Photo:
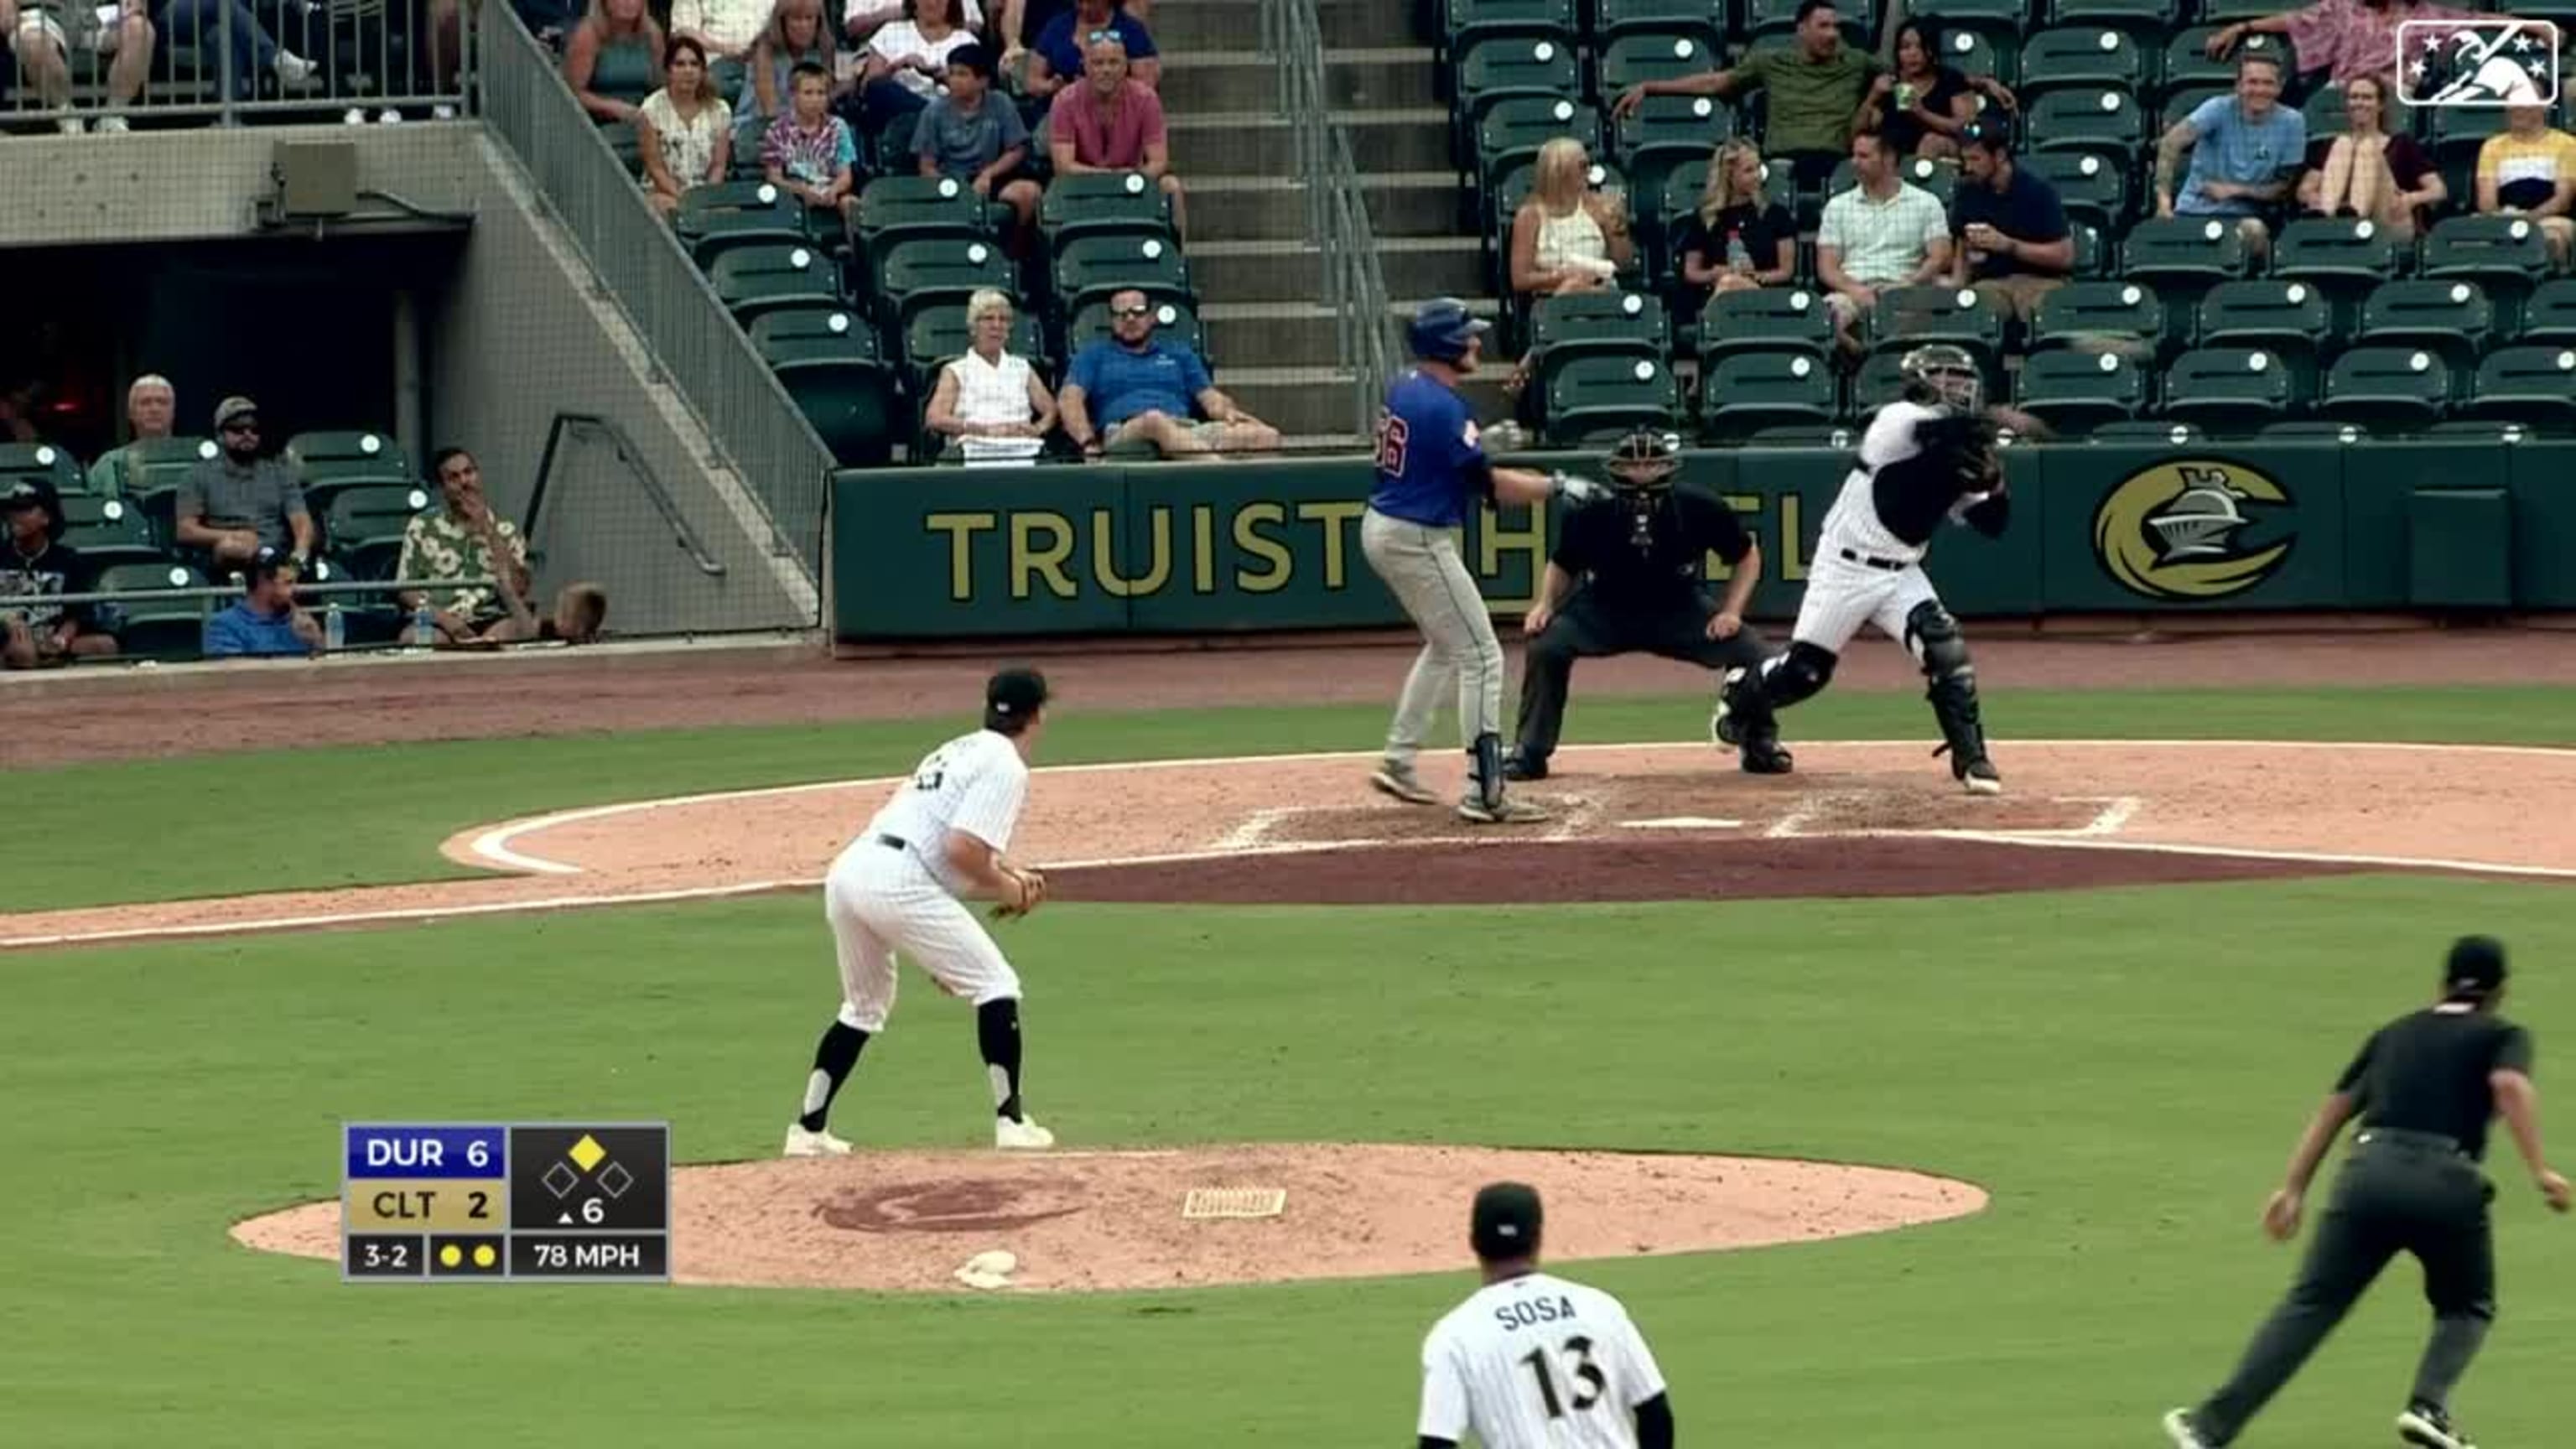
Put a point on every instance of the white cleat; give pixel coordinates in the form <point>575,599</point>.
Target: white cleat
<point>1400,782</point>
<point>1509,812</point>
<point>1024,1135</point>
<point>801,1143</point>
<point>1982,778</point>
<point>2183,1432</point>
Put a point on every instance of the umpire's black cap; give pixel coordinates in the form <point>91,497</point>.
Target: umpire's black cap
<point>1505,1222</point>
<point>1014,694</point>
<point>2476,967</point>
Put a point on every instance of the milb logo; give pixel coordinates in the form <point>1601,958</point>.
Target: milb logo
<point>2486,63</point>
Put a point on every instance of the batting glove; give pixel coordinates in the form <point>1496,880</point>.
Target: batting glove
<point>1577,490</point>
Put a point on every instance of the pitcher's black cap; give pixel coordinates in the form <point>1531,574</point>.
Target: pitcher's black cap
<point>1015,693</point>
<point>2476,966</point>
<point>1505,1222</point>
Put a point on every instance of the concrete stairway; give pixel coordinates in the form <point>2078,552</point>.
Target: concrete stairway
<point>1258,272</point>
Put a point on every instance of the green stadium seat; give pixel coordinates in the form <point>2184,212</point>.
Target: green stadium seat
<point>1940,178</point>
<point>2186,64</point>
<point>2486,430</point>
<point>2075,392</point>
<point>719,232</point>
<point>1512,132</point>
<point>1877,383</point>
<point>2219,11</point>
<point>2323,109</point>
<point>2451,318</point>
<point>938,334</point>
<point>1653,55</point>
<point>2092,254</point>
<point>365,525</point>
<point>829,363</point>
<point>895,209</point>
<point>2533,385</point>
<point>328,462</point>
<point>1619,17</point>
<point>2505,257</point>
<point>1778,18</point>
<point>156,628</point>
<point>1594,397</point>
<point>2154,432</point>
<point>1805,435</point>
<point>2178,102</point>
<point>1466,22</point>
<point>1982,51</point>
<point>2081,313</point>
<point>2091,187</point>
<point>937,271</point>
<point>2457,132</point>
<point>2183,251</point>
<point>42,462</point>
<point>1088,269</point>
<point>1745,393</point>
<point>2094,118</point>
<point>1777,320</point>
<point>2313,430</point>
<point>1908,317</point>
<point>2344,258</point>
<point>2157,18</point>
<point>2290,320</point>
<point>1668,132</point>
<point>2073,57</point>
<point>2399,388</point>
<point>1495,68</point>
<point>158,464</point>
<point>107,530</point>
<point>1128,204</point>
<point>1601,323</point>
<point>1176,321</point>
<point>756,279</point>
<point>2549,314</point>
<point>2229,389</point>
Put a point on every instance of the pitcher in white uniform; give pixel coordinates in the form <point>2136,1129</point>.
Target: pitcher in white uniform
<point>900,889</point>
<point>1531,1361</point>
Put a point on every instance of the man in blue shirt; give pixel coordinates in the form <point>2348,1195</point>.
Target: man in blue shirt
<point>1131,385</point>
<point>2246,151</point>
<point>265,622</point>
<point>1431,467</point>
<point>1055,60</point>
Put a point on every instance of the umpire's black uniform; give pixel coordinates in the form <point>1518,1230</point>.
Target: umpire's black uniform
<point>2422,1090</point>
<point>1638,561</point>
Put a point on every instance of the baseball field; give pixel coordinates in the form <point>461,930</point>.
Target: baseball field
<point>1897,1117</point>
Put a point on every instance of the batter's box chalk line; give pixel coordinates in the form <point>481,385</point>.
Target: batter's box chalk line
<point>1234,1202</point>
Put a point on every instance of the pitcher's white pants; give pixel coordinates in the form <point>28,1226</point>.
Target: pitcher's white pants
<point>883,902</point>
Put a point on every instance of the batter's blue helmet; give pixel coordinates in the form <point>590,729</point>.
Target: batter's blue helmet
<point>1442,328</point>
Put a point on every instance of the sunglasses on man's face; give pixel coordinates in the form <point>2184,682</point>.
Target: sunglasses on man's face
<point>1132,312</point>
<point>242,425</point>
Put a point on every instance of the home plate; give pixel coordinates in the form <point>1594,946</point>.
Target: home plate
<point>1683,822</point>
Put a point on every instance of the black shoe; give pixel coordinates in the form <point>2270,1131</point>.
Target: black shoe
<point>1724,729</point>
<point>2430,1427</point>
<point>1517,766</point>
<point>1766,757</point>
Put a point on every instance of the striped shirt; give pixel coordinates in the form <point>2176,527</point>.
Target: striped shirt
<point>992,392</point>
<point>1883,241</point>
<point>1536,1362</point>
<point>975,783</point>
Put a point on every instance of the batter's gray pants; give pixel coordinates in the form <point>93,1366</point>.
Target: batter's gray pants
<point>1422,569</point>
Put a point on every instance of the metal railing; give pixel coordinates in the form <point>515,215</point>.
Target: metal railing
<point>230,61</point>
<point>751,421</point>
<point>1337,219</point>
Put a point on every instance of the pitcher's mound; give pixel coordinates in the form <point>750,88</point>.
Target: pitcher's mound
<point>1095,1221</point>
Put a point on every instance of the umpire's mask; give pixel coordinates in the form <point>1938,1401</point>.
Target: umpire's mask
<point>1642,468</point>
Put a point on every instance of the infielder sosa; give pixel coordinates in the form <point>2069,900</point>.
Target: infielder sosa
<point>1531,1361</point>
<point>1430,466</point>
<point>1926,458</point>
<point>896,889</point>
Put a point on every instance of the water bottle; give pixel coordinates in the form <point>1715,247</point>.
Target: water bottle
<point>424,627</point>
<point>335,628</point>
<point>1739,257</point>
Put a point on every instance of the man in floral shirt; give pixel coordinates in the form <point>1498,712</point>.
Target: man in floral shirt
<point>463,541</point>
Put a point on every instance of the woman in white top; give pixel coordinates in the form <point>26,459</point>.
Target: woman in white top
<point>988,393</point>
<point>685,130</point>
<point>861,19</point>
<point>907,61</point>
<point>1566,237</point>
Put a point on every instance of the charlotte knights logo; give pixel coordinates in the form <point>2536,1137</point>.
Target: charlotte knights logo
<point>2173,531</point>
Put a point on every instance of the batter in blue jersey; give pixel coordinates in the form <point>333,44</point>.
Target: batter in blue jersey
<point>1431,468</point>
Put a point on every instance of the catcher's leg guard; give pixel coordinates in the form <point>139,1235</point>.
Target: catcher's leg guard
<point>1932,636</point>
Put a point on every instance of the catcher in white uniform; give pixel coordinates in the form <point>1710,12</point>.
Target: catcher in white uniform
<point>1531,1361</point>
<point>900,888</point>
<point>1927,458</point>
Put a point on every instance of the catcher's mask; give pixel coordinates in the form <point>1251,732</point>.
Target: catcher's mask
<point>1941,373</point>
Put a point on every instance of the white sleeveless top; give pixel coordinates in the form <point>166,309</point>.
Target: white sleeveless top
<point>990,392</point>
<point>1573,241</point>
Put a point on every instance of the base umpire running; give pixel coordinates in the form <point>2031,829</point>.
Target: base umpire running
<point>2424,1087</point>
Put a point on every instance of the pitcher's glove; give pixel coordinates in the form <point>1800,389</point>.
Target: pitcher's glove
<point>1033,889</point>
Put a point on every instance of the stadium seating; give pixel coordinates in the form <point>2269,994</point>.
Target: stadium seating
<point>2230,389</point>
<point>1908,317</point>
<point>2534,385</point>
<point>829,363</point>
<point>2450,318</point>
<point>42,462</point>
<point>1120,204</point>
<point>1089,269</point>
<point>1592,399</point>
<point>2085,311</point>
<point>2075,392</point>
<point>107,530</point>
<point>2389,388</point>
<point>1748,392</point>
<point>2081,57</point>
<point>2549,314</point>
<point>364,526</point>
<point>327,463</point>
<point>2091,188</point>
<point>2288,320</point>
<point>1790,321</point>
<point>149,627</point>
<point>715,219</point>
<point>755,279</point>
<point>935,271</point>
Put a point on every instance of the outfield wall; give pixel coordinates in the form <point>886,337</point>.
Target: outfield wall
<point>1257,546</point>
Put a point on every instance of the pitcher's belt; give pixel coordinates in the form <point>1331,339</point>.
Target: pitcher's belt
<point>1889,564</point>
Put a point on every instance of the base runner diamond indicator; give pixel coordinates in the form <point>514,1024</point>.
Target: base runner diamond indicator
<point>603,1179</point>
<point>616,1180</point>
<point>560,1179</point>
<point>586,1153</point>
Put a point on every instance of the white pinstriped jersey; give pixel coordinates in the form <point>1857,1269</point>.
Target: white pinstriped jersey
<point>1536,1362</point>
<point>975,783</point>
<point>1860,519</point>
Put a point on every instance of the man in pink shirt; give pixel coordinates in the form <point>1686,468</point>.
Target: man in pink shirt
<point>1110,123</point>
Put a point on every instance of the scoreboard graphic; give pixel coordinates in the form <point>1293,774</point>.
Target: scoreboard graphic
<point>438,1202</point>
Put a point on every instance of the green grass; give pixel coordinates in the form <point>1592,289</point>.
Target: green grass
<point>329,818</point>
<point>2123,1069</point>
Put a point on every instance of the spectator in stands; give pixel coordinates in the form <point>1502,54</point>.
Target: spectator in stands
<point>1132,384</point>
<point>2347,39</point>
<point>462,540</point>
<point>2245,153</point>
<point>2530,170</point>
<point>794,36</point>
<point>1882,233</point>
<point>1923,105</point>
<point>684,131</point>
<point>1063,50</point>
<point>978,137</point>
<point>35,561</point>
<point>2366,172</point>
<point>989,392</point>
<point>615,51</point>
<point>861,19</point>
<point>1816,88</point>
<point>2013,244</point>
<point>151,404</point>
<point>45,33</point>
<point>1111,123</point>
<point>265,620</point>
<point>579,611</point>
<point>1566,237</point>
<point>726,31</point>
<point>907,62</point>
<point>235,504</point>
<point>1735,241</point>
<point>810,153</point>
<point>199,25</point>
